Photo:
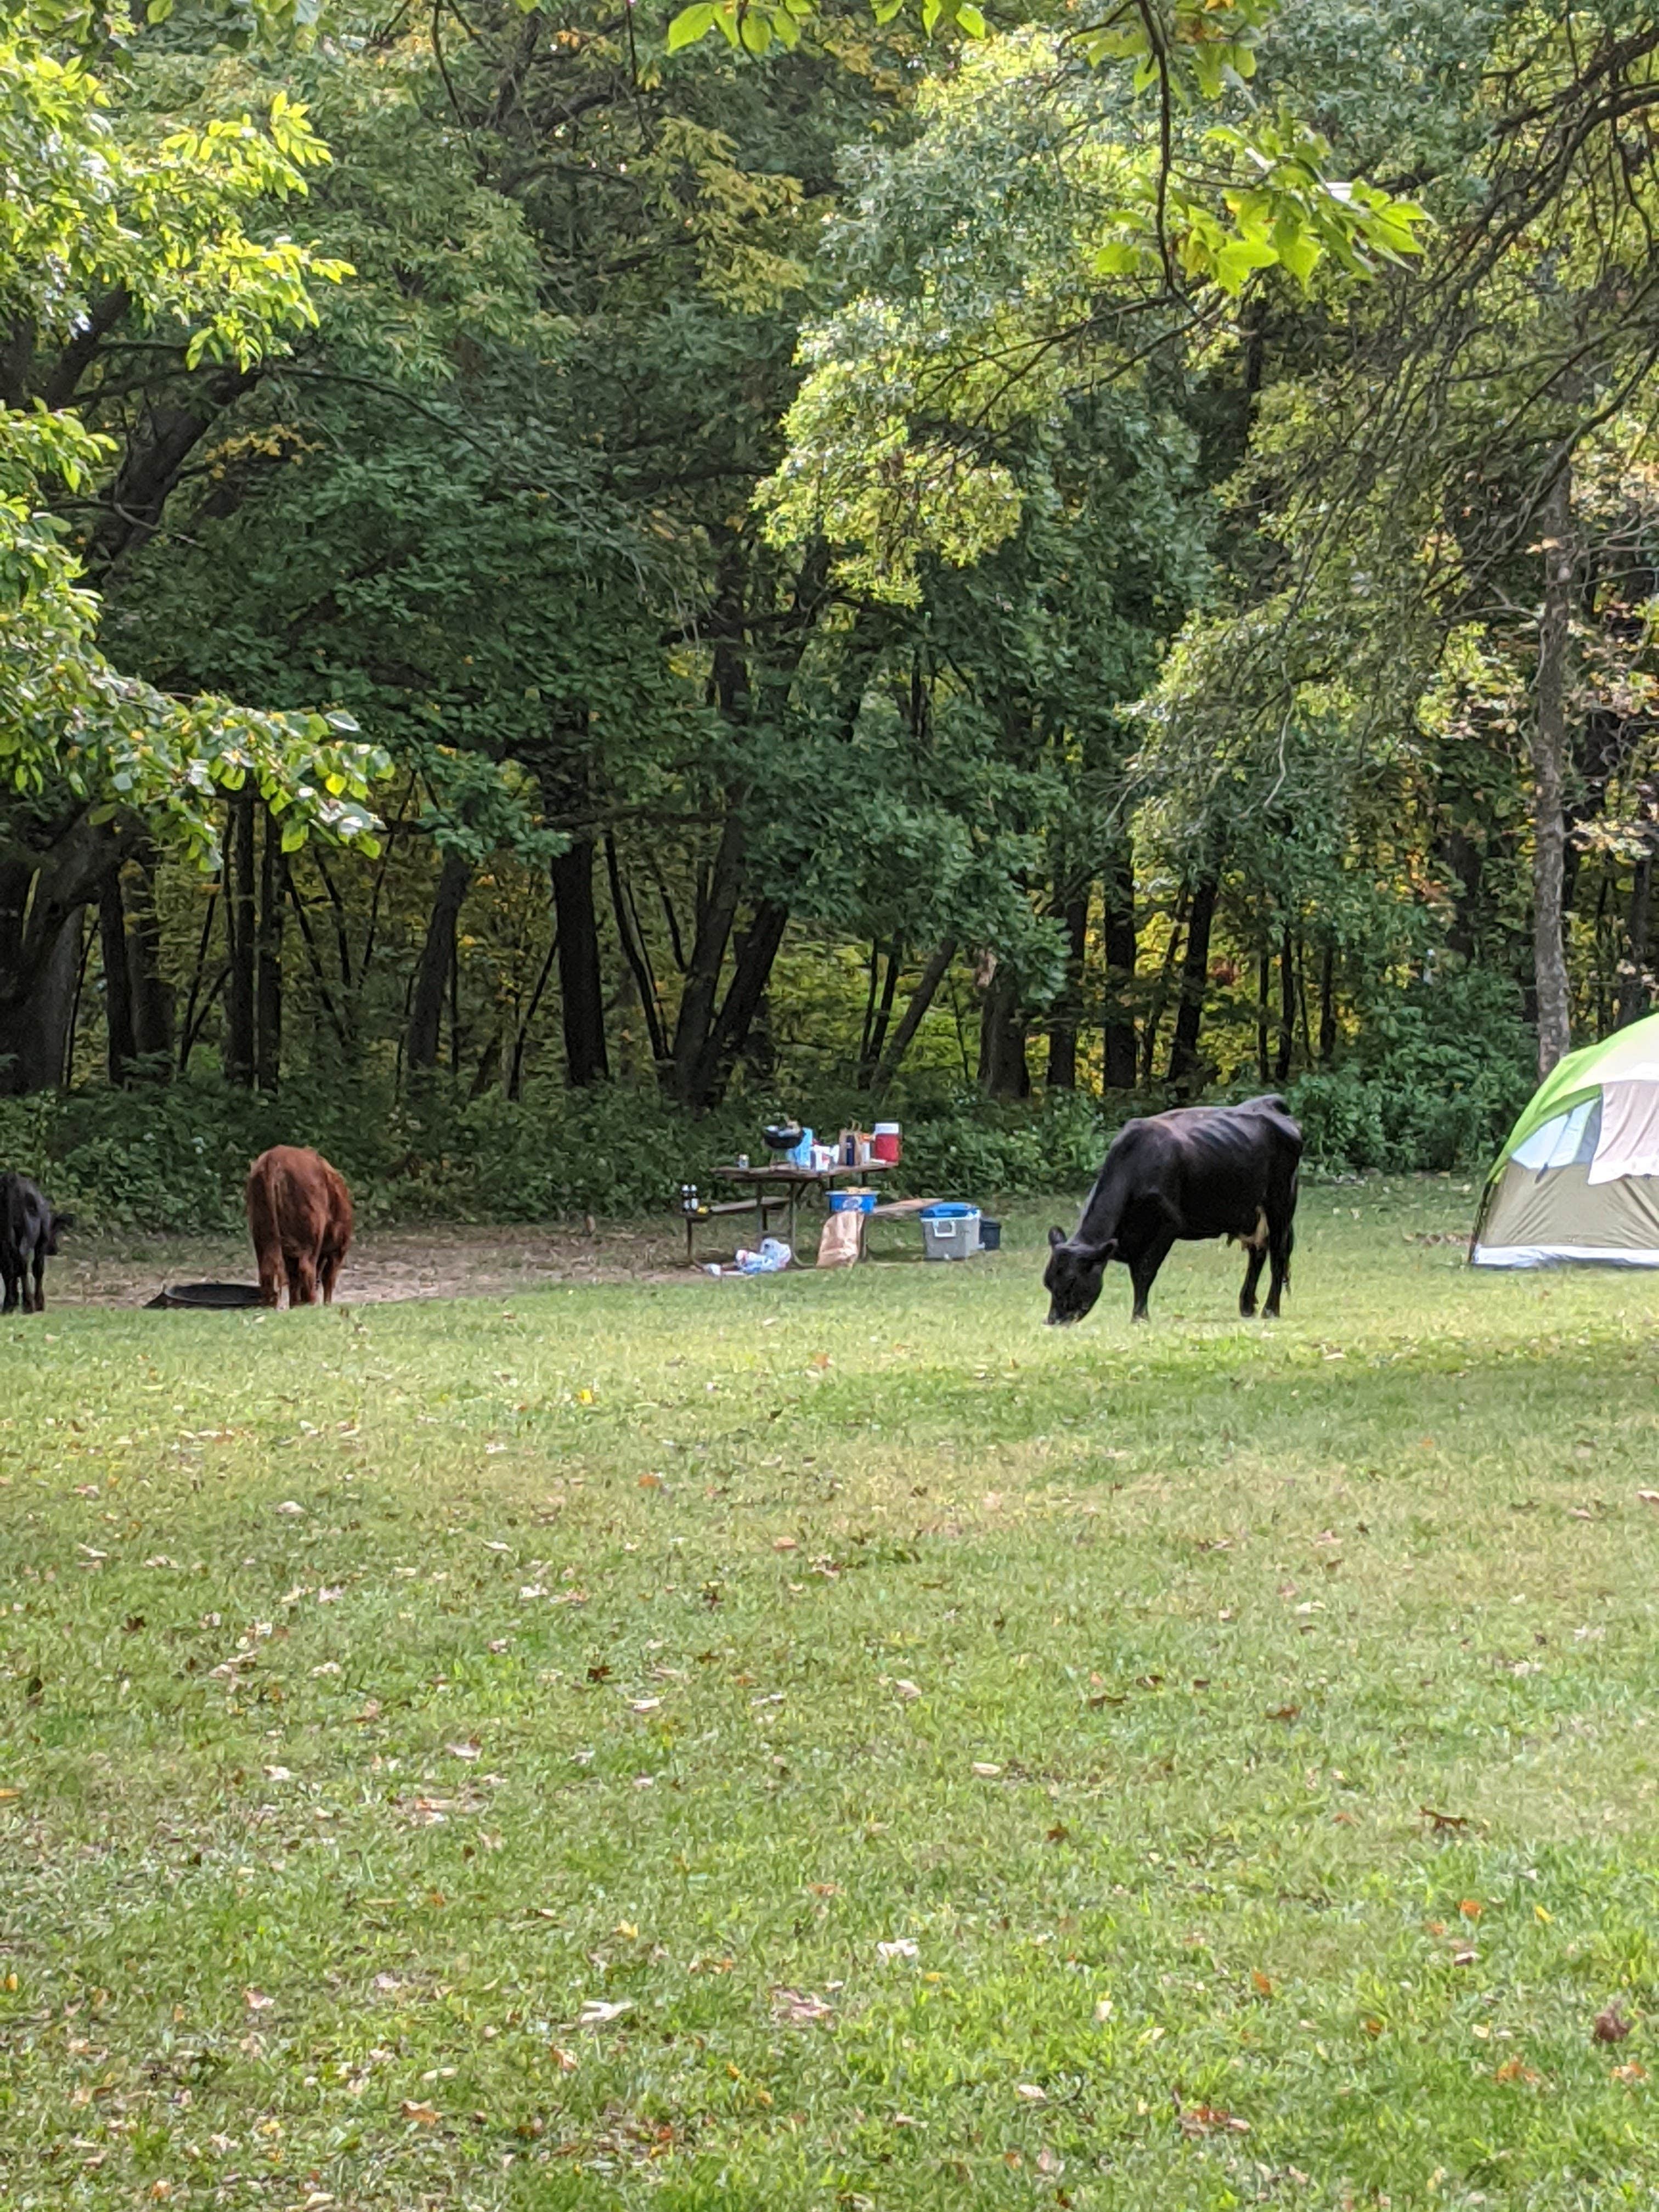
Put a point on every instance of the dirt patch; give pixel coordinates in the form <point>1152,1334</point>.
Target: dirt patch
<point>385,1264</point>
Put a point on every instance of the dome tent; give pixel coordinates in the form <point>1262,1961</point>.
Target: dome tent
<point>1578,1179</point>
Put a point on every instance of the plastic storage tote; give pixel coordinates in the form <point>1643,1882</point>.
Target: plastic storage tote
<point>949,1232</point>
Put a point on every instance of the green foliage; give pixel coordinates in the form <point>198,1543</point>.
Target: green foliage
<point>99,208</point>
<point>1442,1072</point>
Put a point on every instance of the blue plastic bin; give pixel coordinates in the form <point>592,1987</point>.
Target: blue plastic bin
<point>949,1230</point>
<point>853,1201</point>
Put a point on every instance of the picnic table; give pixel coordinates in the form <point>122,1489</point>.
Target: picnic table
<point>771,1190</point>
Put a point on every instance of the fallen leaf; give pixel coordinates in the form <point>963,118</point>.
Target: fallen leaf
<point>1444,1823</point>
<point>901,1947</point>
<point>1611,2025</point>
<point>288,1505</point>
<point>462,1750</point>
<point>1207,2119</point>
<point>594,2014</point>
<point>651,1482</point>
<point>1631,2072</point>
<point>646,1706</point>
<point>785,1544</point>
<point>277,1774</point>
<point>1465,1958</point>
<point>798,2007</point>
<point>1470,1908</point>
<point>907,1690</point>
<point>1047,2163</point>
<point>1261,1983</point>
<point>1282,1713</point>
<point>256,2001</point>
<point>566,2061</point>
<point>1516,2069</point>
<point>987,1770</point>
<point>425,2114</point>
<point>1029,2093</point>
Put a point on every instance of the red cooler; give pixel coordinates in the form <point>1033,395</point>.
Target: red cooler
<point>887,1143</point>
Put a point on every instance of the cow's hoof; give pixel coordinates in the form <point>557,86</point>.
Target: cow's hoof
<point>1270,1313</point>
<point>1247,1309</point>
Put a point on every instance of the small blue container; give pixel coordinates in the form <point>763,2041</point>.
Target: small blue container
<point>802,1155</point>
<point>853,1201</point>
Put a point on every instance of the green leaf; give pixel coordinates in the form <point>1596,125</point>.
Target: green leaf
<point>1297,249</point>
<point>690,24</point>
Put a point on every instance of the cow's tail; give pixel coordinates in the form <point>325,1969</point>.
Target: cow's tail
<point>267,1238</point>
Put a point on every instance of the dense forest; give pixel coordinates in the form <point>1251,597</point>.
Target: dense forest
<point>576,569</point>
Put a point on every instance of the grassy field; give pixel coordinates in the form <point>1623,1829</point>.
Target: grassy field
<point>834,1743</point>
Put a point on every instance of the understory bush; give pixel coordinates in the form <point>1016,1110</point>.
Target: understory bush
<point>1438,1079</point>
<point>1437,1083</point>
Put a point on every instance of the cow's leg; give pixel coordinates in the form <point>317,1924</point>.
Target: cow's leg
<point>40,1280</point>
<point>304,1277</point>
<point>12,1281</point>
<point>327,1268</point>
<point>1144,1266</point>
<point>1279,1242</point>
<point>1256,1251</point>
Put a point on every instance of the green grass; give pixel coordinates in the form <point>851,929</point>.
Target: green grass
<point>671,1648</point>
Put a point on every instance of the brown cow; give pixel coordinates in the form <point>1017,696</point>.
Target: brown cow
<point>299,1213</point>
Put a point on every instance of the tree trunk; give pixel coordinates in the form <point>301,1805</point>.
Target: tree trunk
<point>581,981</point>
<point>717,911</point>
<point>154,460</point>
<point>1063,1028</point>
<point>268,1047</point>
<point>240,920</point>
<point>120,1043</point>
<point>1633,991</point>
<point>1003,1072</point>
<point>1549,753</point>
<point>1161,989</point>
<point>425,1005</point>
<point>636,952</point>
<point>1328,1006</point>
<point>751,973</point>
<point>1264,984</point>
<point>1184,1068</point>
<point>1286,1007</point>
<point>152,995</point>
<point>1120,950</point>
<point>884,1017</point>
<point>939,963</point>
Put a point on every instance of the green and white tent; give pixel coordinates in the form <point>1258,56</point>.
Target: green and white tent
<point>1578,1179</point>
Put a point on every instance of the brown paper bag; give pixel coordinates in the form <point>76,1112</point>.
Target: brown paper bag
<point>838,1246</point>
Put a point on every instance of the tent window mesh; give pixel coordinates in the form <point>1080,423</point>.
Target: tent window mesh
<point>1570,1140</point>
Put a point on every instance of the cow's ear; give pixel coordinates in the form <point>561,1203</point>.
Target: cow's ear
<point>1056,1238</point>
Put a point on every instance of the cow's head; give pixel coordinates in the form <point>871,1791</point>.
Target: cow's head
<point>1073,1276</point>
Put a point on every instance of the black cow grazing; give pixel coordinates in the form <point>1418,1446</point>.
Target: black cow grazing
<point>28,1238</point>
<point>1195,1172</point>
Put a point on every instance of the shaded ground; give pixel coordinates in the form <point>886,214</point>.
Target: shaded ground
<point>433,1261</point>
